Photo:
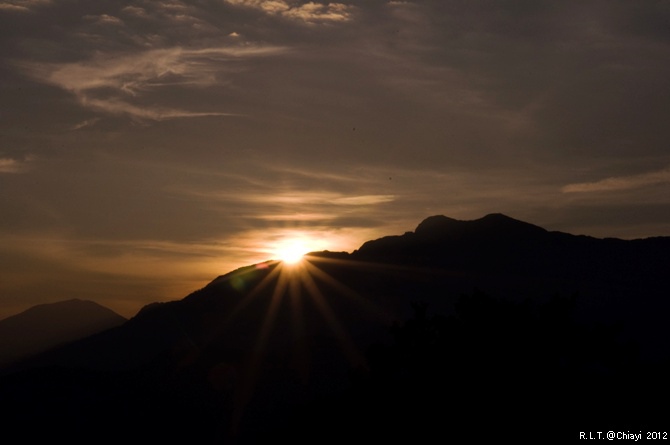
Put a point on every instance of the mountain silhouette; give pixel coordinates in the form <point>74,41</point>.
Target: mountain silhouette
<point>497,243</point>
<point>438,331</point>
<point>620,280</point>
<point>48,325</point>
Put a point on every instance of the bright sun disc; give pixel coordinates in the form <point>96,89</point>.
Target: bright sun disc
<point>291,252</point>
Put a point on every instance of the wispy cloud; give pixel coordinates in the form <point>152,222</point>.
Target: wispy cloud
<point>363,200</point>
<point>135,11</point>
<point>21,5</point>
<point>300,217</point>
<point>129,257</point>
<point>620,183</point>
<point>296,198</point>
<point>115,85</point>
<point>13,7</point>
<point>325,199</point>
<point>115,106</point>
<point>10,165</point>
<point>104,19</point>
<point>309,12</point>
<point>266,205</point>
<point>86,123</point>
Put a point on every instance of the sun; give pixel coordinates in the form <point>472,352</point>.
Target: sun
<point>290,246</point>
<point>291,251</point>
<point>292,254</point>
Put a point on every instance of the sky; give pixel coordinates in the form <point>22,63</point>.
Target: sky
<point>147,147</point>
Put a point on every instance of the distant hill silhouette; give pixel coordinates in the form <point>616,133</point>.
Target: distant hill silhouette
<point>439,331</point>
<point>47,325</point>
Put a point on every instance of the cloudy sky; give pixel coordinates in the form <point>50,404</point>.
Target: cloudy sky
<point>147,147</point>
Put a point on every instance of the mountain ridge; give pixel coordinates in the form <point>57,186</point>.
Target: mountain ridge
<point>261,343</point>
<point>442,228</point>
<point>479,252</point>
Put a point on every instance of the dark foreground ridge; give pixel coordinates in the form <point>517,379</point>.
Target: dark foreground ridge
<point>460,330</point>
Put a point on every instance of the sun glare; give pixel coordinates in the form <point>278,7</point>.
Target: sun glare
<point>291,251</point>
<point>292,254</point>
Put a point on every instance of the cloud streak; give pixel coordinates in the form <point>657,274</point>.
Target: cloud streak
<point>308,205</point>
<point>620,182</point>
<point>22,5</point>
<point>104,19</point>
<point>115,85</point>
<point>119,107</point>
<point>309,12</point>
<point>11,165</point>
